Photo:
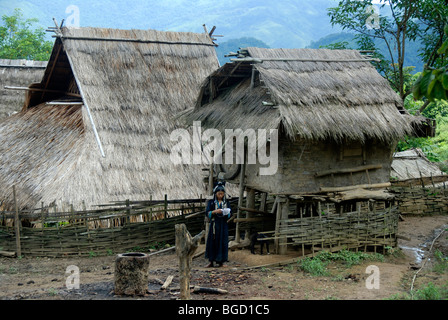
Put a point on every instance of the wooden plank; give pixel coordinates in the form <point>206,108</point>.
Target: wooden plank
<point>348,170</point>
<point>42,90</point>
<point>361,186</point>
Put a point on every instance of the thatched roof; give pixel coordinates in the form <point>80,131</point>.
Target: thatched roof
<point>131,84</point>
<point>311,93</point>
<point>17,73</point>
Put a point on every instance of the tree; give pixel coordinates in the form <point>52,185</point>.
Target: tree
<point>397,23</point>
<point>18,39</point>
<point>395,29</point>
<point>433,82</point>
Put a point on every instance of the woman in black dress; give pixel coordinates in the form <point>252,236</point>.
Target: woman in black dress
<point>218,212</point>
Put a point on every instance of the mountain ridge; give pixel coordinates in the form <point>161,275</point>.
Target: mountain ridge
<point>286,23</point>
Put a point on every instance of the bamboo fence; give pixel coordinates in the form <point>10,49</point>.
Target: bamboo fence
<point>113,228</point>
<point>421,200</point>
<point>351,230</point>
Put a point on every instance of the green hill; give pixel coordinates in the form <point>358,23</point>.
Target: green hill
<point>411,59</point>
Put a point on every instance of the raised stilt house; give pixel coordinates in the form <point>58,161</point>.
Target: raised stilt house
<point>338,123</point>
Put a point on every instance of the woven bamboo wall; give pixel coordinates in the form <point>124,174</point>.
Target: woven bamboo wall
<point>105,231</point>
<point>78,240</point>
<point>421,201</point>
<point>368,231</point>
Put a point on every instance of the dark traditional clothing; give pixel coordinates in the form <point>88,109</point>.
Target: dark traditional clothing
<point>218,236</point>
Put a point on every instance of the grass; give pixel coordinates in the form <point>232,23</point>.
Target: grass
<point>428,292</point>
<point>441,265</point>
<point>317,266</point>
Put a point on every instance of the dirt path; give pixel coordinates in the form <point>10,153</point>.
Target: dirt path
<point>44,278</point>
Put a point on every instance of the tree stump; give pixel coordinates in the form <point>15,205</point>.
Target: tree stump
<point>185,248</point>
<point>131,273</point>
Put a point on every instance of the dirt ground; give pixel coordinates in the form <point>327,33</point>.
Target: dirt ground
<point>45,278</point>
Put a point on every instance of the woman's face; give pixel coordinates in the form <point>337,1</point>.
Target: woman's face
<point>220,195</point>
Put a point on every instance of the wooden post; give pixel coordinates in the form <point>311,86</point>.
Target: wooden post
<point>211,173</point>
<point>150,208</point>
<point>17,224</point>
<point>185,249</point>
<point>240,201</point>
<point>250,203</point>
<point>128,211</point>
<point>263,199</point>
<point>282,214</point>
<point>165,205</point>
<point>42,227</point>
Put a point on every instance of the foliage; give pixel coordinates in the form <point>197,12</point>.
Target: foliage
<point>394,29</point>
<point>427,145</point>
<point>397,23</point>
<point>433,82</point>
<point>18,39</point>
<point>431,292</point>
<point>428,292</point>
<point>441,264</point>
<point>317,265</point>
<point>441,138</point>
<point>336,45</point>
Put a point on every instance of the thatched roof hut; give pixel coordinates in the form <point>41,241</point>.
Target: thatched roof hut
<point>96,128</point>
<point>17,73</point>
<point>338,118</point>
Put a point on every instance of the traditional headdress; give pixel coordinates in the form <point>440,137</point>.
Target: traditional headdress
<point>220,186</point>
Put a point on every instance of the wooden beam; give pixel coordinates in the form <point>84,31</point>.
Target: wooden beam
<point>257,60</point>
<point>360,186</point>
<point>249,219</point>
<point>348,170</point>
<point>46,90</point>
<point>137,41</point>
<point>51,71</point>
<point>227,76</point>
<point>252,210</point>
<point>64,103</point>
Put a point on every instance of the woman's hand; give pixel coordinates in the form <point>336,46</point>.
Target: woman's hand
<point>217,211</point>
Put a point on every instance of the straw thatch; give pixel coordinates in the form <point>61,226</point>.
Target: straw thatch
<point>313,94</point>
<point>17,73</point>
<point>133,82</point>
